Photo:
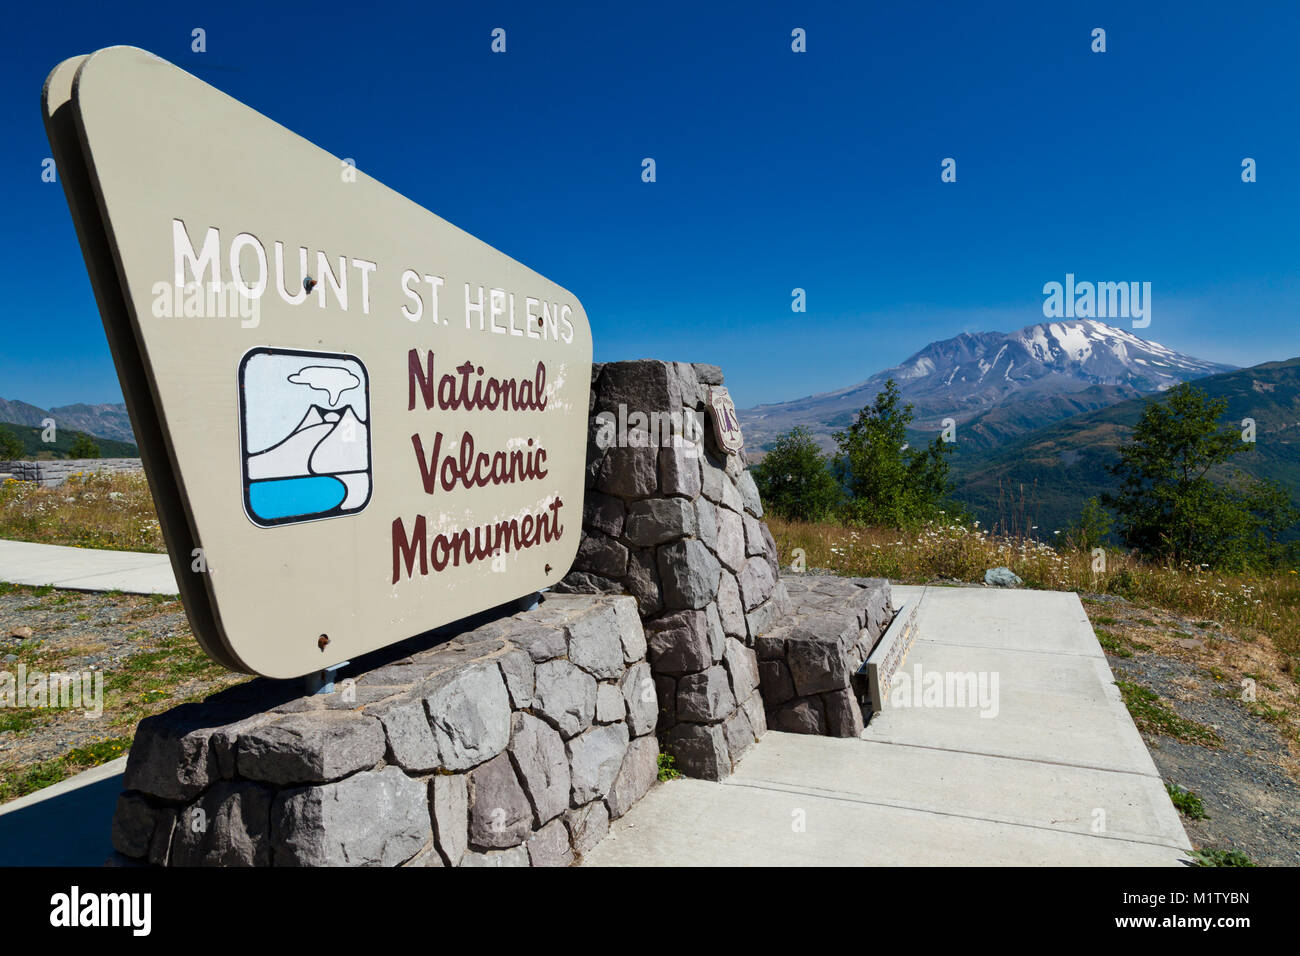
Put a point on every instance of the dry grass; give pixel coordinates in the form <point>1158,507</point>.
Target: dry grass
<point>1253,605</point>
<point>87,511</point>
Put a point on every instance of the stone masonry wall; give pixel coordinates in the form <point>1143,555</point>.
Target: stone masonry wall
<point>677,524</point>
<point>54,472</point>
<point>512,744</point>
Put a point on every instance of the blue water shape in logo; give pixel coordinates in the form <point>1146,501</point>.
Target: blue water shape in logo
<point>289,497</point>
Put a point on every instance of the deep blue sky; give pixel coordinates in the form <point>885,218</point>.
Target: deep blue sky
<point>775,170</point>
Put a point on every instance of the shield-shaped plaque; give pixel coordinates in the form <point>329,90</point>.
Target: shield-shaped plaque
<point>726,427</point>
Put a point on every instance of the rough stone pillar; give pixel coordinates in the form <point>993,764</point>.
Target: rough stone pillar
<point>676,523</point>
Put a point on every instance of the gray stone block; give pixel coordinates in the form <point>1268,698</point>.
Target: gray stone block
<point>679,643</point>
<point>310,748</point>
<point>740,735</point>
<point>543,766</point>
<point>817,665</point>
<point>679,470</point>
<point>595,642</point>
<point>775,680</point>
<point>700,749</point>
<point>549,846</point>
<point>449,803</point>
<point>171,756</point>
<point>717,634</point>
<point>515,856</point>
<point>717,485</point>
<point>730,544</point>
<point>706,519</point>
<point>609,704</point>
<point>469,710</point>
<point>587,825</point>
<point>230,825</point>
<point>630,630</point>
<point>708,374</point>
<point>601,554</point>
<point>629,472</point>
<point>753,708</point>
<point>411,744</point>
<point>373,818</point>
<point>755,545</point>
<point>518,671</point>
<point>565,696</point>
<point>604,513</point>
<point>594,761</point>
<point>543,643</point>
<point>705,697</point>
<point>688,572</point>
<point>770,552</point>
<point>749,494</point>
<point>658,520</point>
<point>756,582</point>
<point>642,582</point>
<point>843,713</point>
<point>499,812</point>
<point>800,716</point>
<point>666,692</point>
<point>142,830</point>
<point>638,773</point>
<point>688,385</point>
<point>742,665</point>
<point>640,699</point>
<point>730,608</point>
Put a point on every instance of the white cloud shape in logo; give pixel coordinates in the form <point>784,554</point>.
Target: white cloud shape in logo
<point>332,380</point>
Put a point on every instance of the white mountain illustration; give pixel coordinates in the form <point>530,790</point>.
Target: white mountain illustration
<point>325,442</point>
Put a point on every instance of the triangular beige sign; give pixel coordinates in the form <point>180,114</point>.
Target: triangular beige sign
<point>358,421</point>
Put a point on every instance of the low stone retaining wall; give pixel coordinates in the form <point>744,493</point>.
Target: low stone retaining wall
<point>807,662</point>
<point>54,472</point>
<point>513,744</point>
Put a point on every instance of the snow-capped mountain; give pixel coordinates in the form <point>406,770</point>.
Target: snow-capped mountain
<point>1032,369</point>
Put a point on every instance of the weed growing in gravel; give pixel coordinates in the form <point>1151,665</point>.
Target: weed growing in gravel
<point>1187,802</point>
<point>1220,858</point>
<point>1153,715</point>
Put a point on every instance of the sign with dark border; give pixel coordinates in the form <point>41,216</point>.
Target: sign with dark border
<point>358,422</point>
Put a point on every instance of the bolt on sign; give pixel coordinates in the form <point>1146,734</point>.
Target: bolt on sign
<point>358,421</point>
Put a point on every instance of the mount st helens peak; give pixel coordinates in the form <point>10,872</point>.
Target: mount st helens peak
<point>1024,379</point>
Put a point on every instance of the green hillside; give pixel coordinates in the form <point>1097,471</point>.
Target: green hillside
<point>33,447</point>
<point>1060,466</point>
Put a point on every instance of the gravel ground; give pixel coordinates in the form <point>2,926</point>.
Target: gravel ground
<point>1249,785</point>
<point>141,644</point>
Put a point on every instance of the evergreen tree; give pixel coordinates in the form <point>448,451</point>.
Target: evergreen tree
<point>795,480</point>
<point>889,483</point>
<point>1169,504</point>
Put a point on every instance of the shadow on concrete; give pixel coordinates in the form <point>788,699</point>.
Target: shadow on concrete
<point>70,829</point>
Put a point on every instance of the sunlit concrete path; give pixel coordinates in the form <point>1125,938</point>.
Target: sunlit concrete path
<point>85,569</point>
<point>1054,774</point>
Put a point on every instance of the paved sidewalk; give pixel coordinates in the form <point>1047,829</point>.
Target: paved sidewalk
<point>67,824</point>
<point>85,569</point>
<point>1058,776</point>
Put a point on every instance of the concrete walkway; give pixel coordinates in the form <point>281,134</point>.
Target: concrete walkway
<point>85,569</point>
<point>1056,775</point>
<point>67,824</point>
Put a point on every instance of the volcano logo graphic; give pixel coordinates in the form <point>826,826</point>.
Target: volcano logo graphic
<point>304,422</point>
